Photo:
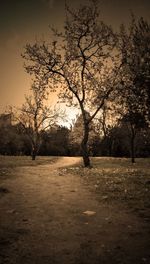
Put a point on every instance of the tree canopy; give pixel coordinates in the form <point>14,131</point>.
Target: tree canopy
<point>82,61</point>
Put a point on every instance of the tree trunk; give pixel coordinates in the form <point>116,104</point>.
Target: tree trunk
<point>33,156</point>
<point>110,146</point>
<point>133,134</point>
<point>84,146</point>
<point>133,149</point>
<point>34,153</point>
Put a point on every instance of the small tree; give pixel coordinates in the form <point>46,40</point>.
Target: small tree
<point>82,60</point>
<point>34,116</point>
<point>134,122</point>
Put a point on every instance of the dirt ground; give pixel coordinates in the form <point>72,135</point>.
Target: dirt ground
<point>49,216</point>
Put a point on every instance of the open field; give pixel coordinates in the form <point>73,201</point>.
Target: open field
<point>54,211</point>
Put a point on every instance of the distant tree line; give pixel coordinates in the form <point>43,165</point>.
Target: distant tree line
<point>15,141</point>
<point>61,141</point>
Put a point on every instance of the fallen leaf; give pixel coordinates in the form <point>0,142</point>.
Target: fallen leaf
<point>11,211</point>
<point>105,197</point>
<point>89,213</point>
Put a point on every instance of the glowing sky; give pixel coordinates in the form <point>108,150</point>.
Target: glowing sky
<point>23,21</point>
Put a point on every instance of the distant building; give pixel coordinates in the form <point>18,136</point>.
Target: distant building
<point>5,120</point>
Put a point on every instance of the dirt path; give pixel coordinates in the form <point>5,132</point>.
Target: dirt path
<point>42,221</point>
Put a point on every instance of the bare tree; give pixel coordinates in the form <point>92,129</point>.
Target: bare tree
<point>82,60</point>
<point>35,116</point>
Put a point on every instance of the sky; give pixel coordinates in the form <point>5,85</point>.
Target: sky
<point>24,21</point>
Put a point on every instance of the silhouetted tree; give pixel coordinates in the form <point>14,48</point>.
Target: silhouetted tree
<point>34,116</point>
<point>82,60</point>
<point>135,51</point>
<point>134,122</point>
<point>135,78</point>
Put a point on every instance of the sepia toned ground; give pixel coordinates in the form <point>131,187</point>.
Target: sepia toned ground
<point>54,211</point>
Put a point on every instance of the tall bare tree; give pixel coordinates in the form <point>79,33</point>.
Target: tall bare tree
<point>82,61</point>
